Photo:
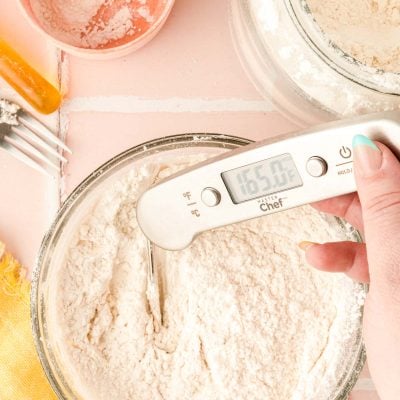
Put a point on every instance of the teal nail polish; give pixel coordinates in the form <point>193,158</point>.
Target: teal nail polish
<point>361,140</point>
<point>367,156</point>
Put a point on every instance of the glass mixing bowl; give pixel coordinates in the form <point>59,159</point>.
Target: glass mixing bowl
<point>76,206</point>
<point>294,64</point>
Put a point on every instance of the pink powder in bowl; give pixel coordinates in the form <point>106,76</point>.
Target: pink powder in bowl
<point>97,24</point>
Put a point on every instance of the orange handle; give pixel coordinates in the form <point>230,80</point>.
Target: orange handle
<point>36,90</point>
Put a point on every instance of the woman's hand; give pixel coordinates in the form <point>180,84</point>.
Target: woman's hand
<point>375,212</point>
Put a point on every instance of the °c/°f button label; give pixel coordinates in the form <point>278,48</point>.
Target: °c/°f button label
<point>345,152</point>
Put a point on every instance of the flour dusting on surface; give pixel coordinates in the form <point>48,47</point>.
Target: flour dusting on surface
<point>8,112</point>
<point>244,317</point>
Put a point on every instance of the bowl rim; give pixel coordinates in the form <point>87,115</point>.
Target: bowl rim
<point>111,51</point>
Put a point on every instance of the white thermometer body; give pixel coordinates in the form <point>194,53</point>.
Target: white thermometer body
<point>259,179</point>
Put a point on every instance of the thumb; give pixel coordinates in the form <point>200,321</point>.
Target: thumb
<point>377,173</point>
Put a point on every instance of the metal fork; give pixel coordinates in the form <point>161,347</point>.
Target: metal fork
<point>30,141</point>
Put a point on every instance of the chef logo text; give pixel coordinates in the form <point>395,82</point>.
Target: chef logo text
<point>267,205</point>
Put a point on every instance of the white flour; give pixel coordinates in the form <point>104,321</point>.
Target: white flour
<point>93,23</point>
<point>296,63</point>
<point>369,30</point>
<point>8,112</point>
<point>244,317</point>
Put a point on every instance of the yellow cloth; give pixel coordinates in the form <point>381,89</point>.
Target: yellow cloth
<point>21,375</point>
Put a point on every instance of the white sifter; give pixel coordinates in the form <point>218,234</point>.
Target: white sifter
<point>259,179</point>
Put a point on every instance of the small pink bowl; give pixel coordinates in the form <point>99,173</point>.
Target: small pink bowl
<point>102,53</point>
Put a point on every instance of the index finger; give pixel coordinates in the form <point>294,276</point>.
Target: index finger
<point>347,207</point>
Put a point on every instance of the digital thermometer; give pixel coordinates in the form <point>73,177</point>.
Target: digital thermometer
<point>259,179</point>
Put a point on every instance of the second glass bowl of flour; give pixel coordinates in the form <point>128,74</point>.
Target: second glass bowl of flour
<point>319,60</point>
<point>244,317</point>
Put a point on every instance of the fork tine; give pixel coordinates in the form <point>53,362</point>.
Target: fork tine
<point>30,122</point>
<point>30,136</point>
<point>29,149</point>
<point>18,154</point>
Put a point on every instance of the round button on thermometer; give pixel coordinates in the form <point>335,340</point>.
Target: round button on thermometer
<point>210,197</point>
<point>317,166</point>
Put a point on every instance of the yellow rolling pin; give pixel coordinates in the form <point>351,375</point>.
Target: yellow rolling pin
<point>36,90</point>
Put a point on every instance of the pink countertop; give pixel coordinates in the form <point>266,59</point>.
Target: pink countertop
<point>188,79</point>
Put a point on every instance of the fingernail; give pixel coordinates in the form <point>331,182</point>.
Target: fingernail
<point>305,245</point>
<point>367,156</point>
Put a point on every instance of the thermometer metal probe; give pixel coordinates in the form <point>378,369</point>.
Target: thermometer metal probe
<point>260,179</point>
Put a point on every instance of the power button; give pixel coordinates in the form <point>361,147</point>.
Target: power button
<point>345,152</point>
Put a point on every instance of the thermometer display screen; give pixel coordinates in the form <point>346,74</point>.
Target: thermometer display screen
<point>262,178</point>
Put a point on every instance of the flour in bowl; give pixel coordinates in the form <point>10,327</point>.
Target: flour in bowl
<point>244,317</point>
<point>96,23</point>
<point>368,30</point>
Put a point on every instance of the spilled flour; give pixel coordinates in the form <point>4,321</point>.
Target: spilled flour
<point>95,23</point>
<point>8,112</point>
<point>244,316</point>
<point>369,30</point>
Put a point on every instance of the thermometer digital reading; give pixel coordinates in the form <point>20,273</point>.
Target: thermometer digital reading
<point>259,179</point>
